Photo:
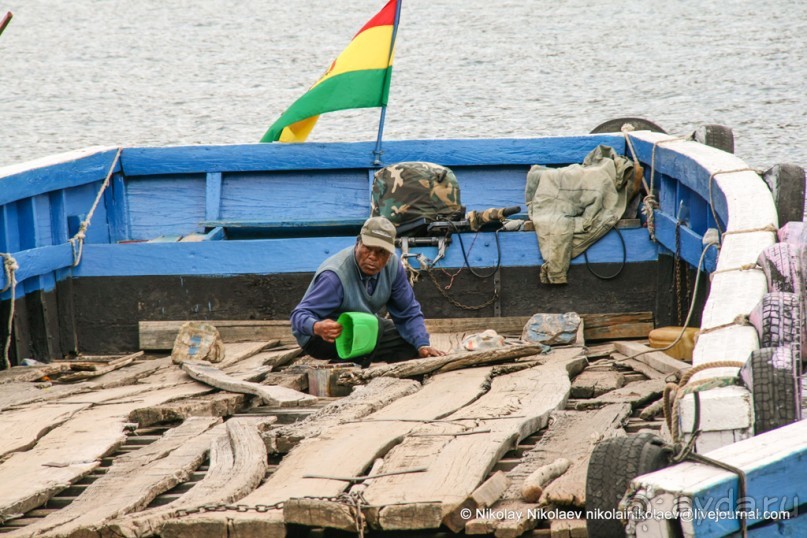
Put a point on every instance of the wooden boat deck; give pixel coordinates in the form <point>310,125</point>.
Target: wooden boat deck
<point>138,445</point>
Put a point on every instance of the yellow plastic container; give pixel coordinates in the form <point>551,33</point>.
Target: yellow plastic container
<point>664,336</point>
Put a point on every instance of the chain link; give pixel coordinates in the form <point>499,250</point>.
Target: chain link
<point>227,507</point>
<point>354,500</point>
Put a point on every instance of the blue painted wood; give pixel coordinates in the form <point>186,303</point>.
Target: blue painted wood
<point>328,156</point>
<point>117,208</point>
<point>58,217</point>
<point>795,527</point>
<point>289,196</point>
<point>39,261</point>
<point>78,202</point>
<point>779,483</point>
<point>685,169</point>
<point>80,171</point>
<point>267,256</point>
<point>166,206</point>
<point>487,186</point>
<point>691,243</point>
<point>213,196</point>
<point>11,228</point>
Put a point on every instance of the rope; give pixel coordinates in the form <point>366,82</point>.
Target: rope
<point>77,241</point>
<point>744,267</point>
<point>675,392</point>
<point>766,228</point>
<point>740,320</point>
<point>650,202</point>
<point>689,314</point>
<point>10,266</point>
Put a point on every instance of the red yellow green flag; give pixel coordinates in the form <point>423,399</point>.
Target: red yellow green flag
<point>358,78</point>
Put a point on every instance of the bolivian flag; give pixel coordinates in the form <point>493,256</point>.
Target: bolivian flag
<point>358,78</point>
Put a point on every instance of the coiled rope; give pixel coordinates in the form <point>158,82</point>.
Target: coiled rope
<point>11,267</point>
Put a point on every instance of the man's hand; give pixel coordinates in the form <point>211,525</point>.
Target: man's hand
<point>428,351</point>
<point>327,329</point>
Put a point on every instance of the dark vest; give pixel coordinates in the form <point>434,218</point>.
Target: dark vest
<point>356,298</point>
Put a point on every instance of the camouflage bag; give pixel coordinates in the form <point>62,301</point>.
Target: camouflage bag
<point>407,191</point>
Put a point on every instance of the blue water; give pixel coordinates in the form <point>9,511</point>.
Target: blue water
<point>116,72</point>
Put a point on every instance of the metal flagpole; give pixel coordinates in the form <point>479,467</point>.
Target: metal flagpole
<point>377,151</point>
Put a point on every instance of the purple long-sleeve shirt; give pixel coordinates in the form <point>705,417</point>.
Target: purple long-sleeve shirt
<point>327,294</point>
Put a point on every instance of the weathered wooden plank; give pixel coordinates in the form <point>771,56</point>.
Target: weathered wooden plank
<point>74,449</point>
<point>446,363</point>
<point>257,366</point>
<point>109,367</point>
<point>655,359</point>
<point>160,335</point>
<point>448,342</point>
<point>296,381</point>
<point>344,450</point>
<point>23,427</point>
<point>277,396</point>
<point>572,435</point>
<point>534,484</point>
<point>635,394</point>
<point>637,366</point>
<point>236,352</point>
<point>21,374</point>
<point>134,480</point>
<point>221,404</point>
<point>24,393</point>
<point>592,383</point>
<point>237,466</point>
<point>458,464</point>
<point>568,528</point>
<point>617,326</point>
<point>482,497</point>
<point>363,401</point>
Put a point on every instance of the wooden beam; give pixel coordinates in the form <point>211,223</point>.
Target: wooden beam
<point>221,404</point>
<point>635,394</point>
<point>160,335</point>
<point>417,367</point>
<point>569,436</point>
<point>775,479</point>
<point>458,464</point>
<point>237,466</point>
<point>347,450</point>
<point>375,395</point>
<point>276,396</point>
<point>135,479</point>
<point>655,359</point>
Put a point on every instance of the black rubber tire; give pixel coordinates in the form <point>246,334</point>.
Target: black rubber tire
<point>613,464</point>
<point>781,321</point>
<point>781,263</point>
<point>716,136</point>
<point>772,376</point>
<point>615,126</point>
<point>787,183</point>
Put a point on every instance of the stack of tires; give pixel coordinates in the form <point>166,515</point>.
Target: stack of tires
<point>773,372</point>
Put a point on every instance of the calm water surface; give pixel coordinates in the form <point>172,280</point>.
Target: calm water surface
<point>115,72</point>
